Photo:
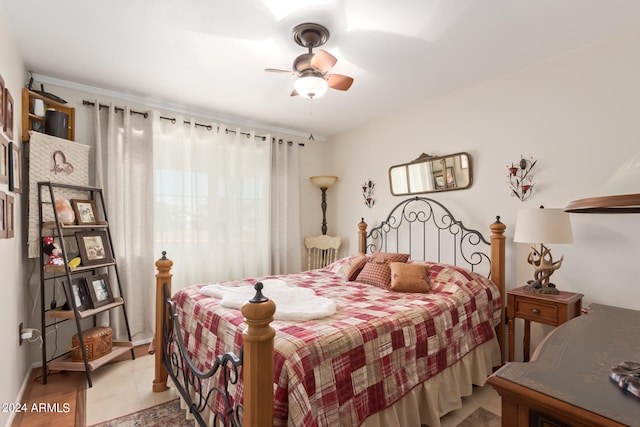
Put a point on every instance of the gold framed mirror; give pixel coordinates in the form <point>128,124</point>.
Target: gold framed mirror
<point>428,174</point>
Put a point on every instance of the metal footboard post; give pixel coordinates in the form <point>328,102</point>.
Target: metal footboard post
<point>258,360</point>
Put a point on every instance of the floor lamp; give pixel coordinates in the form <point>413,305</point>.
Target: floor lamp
<point>323,182</point>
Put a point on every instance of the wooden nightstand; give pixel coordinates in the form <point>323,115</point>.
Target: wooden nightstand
<point>551,310</point>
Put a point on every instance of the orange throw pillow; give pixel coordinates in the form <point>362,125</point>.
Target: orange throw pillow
<point>409,277</point>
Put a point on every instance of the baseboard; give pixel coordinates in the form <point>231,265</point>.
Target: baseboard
<point>21,393</point>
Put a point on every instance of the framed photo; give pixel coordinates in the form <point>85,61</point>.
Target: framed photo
<point>3,215</point>
<point>15,168</point>
<point>4,160</point>
<point>85,211</point>
<point>8,113</point>
<point>450,178</point>
<point>94,247</point>
<point>9,216</point>
<point>1,102</point>
<point>79,294</point>
<point>438,180</point>
<point>100,290</point>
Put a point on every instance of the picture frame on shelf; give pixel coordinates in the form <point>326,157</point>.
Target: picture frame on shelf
<point>79,294</point>
<point>100,290</point>
<point>8,113</point>
<point>85,211</point>
<point>9,216</point>
<point>4,160</point>
<point>3,215</point>
<point>94,247</point>
<point>15,168</point>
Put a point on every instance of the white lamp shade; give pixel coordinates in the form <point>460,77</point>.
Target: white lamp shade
<point>323,181</point>
<point>543,226</point>
<point>311,86</point>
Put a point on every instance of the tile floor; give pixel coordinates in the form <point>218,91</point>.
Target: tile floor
<point>105,400</point>
<point>111,395</point>
<point>484,396</point>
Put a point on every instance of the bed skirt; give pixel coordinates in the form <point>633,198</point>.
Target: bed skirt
<point>426,403</point>
<point>441,394</point>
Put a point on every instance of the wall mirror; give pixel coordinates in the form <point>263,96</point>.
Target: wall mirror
<point>428,174</point>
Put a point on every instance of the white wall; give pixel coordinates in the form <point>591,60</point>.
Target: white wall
<point>13,264</point>
<point>576,113</point>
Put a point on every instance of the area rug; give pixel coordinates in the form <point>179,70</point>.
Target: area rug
<point>481,418</point>
<point>164,414</point>
<point>170,414</point>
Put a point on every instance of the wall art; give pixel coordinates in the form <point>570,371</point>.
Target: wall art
<point>4,160</point>
<point>367,192</point>
<point>15,168</point>
<point>521,178</point>
<point>8,113</point>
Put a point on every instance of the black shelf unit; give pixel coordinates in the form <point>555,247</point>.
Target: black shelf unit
<point>54,316</point>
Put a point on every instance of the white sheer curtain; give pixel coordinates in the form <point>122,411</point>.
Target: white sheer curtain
<point>212,211</point>
<point>285,207</point>
<point>124,149</point>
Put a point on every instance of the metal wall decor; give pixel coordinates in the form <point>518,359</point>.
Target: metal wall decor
<point>521,178</point>
<point>367,192</point>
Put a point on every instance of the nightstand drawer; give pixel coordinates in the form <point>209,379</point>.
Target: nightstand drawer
<point>537,311</point>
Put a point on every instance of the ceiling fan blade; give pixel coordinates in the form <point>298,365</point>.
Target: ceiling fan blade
<point>323,61</point>
<point>275,70</point>
<point>294,93</point>
<point>340,82</point>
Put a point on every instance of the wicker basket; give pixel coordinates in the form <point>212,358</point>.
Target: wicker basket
<point>97,343</point>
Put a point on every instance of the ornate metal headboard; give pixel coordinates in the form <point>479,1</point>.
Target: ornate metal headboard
<point>427,230</point>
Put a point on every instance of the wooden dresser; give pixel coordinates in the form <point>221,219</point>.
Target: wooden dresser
<point>567,382</point>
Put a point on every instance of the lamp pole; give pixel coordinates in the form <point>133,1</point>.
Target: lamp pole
<point>324,209</point>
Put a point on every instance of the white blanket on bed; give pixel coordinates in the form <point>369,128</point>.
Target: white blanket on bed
<point>292,303</point>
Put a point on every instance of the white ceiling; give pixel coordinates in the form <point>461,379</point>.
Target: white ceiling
<point>209,56</point>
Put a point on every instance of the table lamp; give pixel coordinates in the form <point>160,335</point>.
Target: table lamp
<point>543,226</point>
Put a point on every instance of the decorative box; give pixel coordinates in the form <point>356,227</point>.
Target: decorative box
<point>97,343</point>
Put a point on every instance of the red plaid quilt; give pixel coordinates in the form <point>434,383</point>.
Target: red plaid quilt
<point>377,347</point>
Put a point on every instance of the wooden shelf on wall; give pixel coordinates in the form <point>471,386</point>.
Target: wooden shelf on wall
<point>36,123</point>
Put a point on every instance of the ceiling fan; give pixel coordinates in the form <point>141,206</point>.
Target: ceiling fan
<point>311,68</point>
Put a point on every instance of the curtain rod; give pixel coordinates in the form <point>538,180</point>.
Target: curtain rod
<point>173,120</point>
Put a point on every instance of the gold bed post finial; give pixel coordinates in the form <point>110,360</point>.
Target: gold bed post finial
<point>257,360</point>
<point>164,275</point>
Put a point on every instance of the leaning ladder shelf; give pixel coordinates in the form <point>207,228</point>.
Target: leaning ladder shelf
<point>54,316</point>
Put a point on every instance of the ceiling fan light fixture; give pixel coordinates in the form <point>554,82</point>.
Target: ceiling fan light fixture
<point>311,86</point>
